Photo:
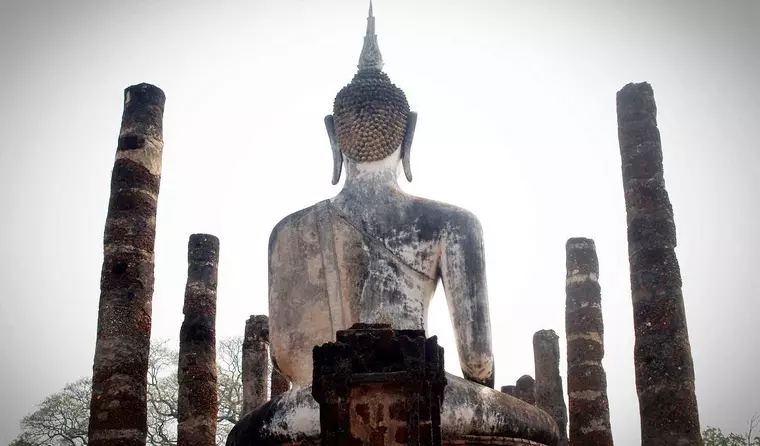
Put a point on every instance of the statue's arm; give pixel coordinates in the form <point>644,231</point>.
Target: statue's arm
<point>463,273</point>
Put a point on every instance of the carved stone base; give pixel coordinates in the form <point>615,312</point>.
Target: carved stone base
<point>379,387</point>
<point>469,440</point>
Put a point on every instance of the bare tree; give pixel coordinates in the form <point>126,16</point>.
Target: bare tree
<point>754,423</point>
<point>230,365</point>
<point>62,418</point>
<point>162,395</point>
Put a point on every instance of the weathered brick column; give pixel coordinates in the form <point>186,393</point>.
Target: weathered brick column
<point>662,354</point>
<point>197,403</point>
<point>509,390</point>
<point>589,413</point>
<point>280,384</point>
<point>525,389</point>
<point>255,362</point>
<point>118,408</point>
<point>549,394</point>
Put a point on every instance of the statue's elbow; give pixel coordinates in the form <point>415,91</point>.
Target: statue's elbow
<point>480,368</point>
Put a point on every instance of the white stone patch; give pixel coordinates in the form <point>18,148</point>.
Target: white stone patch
<point>149,156</point>
<point>588,395</point>
<point>590,336</point>
<point>293,418</point>
<point>576,277</point>
<point>588,364</point>
<point>590,304</point>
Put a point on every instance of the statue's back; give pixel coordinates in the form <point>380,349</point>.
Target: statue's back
<point>329,269</point>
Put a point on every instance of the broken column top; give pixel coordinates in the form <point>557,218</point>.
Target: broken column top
<point>257,327</point>
<point>574,243</point>
<point>144,94</point>
<point>581,257</point>
<point>635,101</point>
<point>509,390</point>
<point>202,247</point>
<point>545,335</point>
<point>525,381</point>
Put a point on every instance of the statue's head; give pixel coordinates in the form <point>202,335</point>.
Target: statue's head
<point>371,118</point>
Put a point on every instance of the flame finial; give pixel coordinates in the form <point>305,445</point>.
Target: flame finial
<point>370,57</point>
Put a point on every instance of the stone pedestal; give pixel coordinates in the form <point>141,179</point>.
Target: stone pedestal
<point>378,386</point>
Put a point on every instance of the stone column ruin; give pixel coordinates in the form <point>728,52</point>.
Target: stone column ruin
<point>662,354</point>
<point>549,395</point>
<point>280,384</point>
<point>509,390</point>
<point>198,403</point>
<point>118,406</point>
<point>589,413</point>
<point>525,389</point>
<point>255,362</point>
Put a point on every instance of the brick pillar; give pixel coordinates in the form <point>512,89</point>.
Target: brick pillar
<point>509,390</point>
<point>379,387</point>
<point>197,376</point>
<point>255,362</point>
<point>525,389</point>
<point>662,354</point>
<point>118,408</point>
<point>280,384</point>
<point>549,394</point>
<point>586,380</point>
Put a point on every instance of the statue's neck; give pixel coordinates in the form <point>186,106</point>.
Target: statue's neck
<point>372,180</point>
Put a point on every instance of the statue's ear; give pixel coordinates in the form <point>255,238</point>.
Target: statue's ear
<point>336,153</point>
<point>406,145</point>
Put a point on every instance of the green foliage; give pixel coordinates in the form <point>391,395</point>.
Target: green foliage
<point>713,436</point>
<point>62,418</point>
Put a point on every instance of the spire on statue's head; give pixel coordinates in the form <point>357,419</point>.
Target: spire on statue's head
<point>370,113</point>
<point>370,56</point>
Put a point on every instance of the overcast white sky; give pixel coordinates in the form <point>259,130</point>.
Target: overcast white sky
<point>517,123</point>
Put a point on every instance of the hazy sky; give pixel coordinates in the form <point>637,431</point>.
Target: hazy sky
<point>517,123</point>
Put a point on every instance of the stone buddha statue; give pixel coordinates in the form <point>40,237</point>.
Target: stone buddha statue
<point>374,254</point>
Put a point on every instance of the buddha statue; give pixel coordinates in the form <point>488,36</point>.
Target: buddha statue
<point>374,254</point>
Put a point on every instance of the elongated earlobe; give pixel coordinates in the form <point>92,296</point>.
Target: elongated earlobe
<point>406,145</point>
<point>336,153</point>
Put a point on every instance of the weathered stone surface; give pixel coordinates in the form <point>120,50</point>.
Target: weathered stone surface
<point>379,386</point>
<point>255,362</point>
<point>467,413</point>
<point>525,389</point>
<point>549,394</point>
<point>118,408</point>
<point>589,414</point>
<point>280,384</point>
<point>662,354</point>
<point>198,404</point>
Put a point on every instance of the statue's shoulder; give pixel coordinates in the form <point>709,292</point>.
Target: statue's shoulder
<point>446,217</point>
<point>291,222</point>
